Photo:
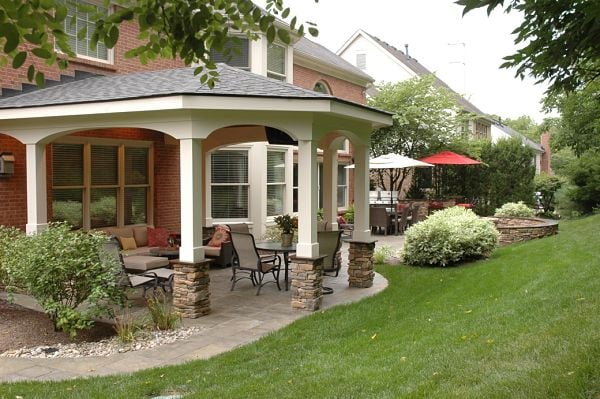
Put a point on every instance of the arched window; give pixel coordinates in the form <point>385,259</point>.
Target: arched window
<point>321,87</point>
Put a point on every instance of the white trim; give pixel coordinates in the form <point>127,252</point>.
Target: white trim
<point>310,62</point>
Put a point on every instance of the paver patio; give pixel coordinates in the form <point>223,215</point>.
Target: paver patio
<point>236,318</point>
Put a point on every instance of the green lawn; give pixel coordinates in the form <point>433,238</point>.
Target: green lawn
<point>523,324</point>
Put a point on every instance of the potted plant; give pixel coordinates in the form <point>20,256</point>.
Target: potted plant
<point>287,223</point>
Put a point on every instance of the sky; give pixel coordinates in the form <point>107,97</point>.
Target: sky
<point>465,52</point>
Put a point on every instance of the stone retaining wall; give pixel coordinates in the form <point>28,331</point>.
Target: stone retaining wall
<point>360,264</point>
<point>523,229</point>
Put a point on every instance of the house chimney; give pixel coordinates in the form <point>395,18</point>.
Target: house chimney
<point>406,47</point>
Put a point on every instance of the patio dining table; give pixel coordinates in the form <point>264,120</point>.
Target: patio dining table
<point>277,248</point>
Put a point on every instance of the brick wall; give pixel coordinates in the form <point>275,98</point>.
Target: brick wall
<point>13,189</point>
<point>545,165</point>
<point>12,78</point>
<point>307,78</point>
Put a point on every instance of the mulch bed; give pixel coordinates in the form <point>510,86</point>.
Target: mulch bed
<point>22,327</point>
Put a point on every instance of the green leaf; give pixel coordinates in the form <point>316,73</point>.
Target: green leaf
<point>30,73</point>
<point>113,37</point>
<point>40,79</point>
<point>283,35</point>
<point>11,33</point>
<point>47,4</point>
<point>271,34</point>
<point>41,53</point>
<point>314,32</point>
<point>285,13</point>
<point>19,60</point>
<point>60,13</point>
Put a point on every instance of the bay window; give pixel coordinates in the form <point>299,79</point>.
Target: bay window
<point>275,183</point>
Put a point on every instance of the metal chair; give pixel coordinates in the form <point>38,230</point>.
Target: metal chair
<point>403,220</point>
<point>246,259</point>
<point>329,244</point>
<point>111,252</point>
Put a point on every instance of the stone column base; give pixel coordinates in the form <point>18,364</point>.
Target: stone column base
<point>191,296</point>
<point>307,283</point>
<point>360,264</point>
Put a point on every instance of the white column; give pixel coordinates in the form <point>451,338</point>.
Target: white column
<point>37,213</point>
<point>192,206</point>
<point>330,178</point>
<point>362,231</point>
<point>308,203</point>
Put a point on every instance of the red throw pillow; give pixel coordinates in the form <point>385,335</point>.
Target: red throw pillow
<point>341,220</point>
<point>158,237</point>
<point>220,236</point>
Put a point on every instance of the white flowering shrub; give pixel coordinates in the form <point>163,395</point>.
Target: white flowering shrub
<point>449,236</point>
<point>514,209</point>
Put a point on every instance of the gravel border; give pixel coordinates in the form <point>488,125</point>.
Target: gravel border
<point>105,347</point>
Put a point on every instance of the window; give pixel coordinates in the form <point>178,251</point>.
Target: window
<point>295,188</point>
<point>229,184</point>
<point>236,53</point>
<point>361,61</point>
<point>276,61</point>
<point>88,190</point>
<point>78,18</point>
<point>275,183</point>
<point>321,87</point>
<point>344,146</point>
<point>481,130</point>
<point>342,187</point>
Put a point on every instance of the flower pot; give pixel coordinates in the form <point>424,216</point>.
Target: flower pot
<point>286,239</point>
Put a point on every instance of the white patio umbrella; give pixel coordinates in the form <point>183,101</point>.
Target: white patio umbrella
<point>394,161</point>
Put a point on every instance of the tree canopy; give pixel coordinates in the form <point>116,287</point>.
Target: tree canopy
<point>560,40</point>
<point>188,29</point>
<point>425,119</point>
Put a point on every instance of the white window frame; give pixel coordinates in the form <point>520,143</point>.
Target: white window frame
<point>211,184</point>
<point>344,186</point>
<point>87,186</point>
<point>274,74</point>
<point>109,51</point>
<point>282,183</point>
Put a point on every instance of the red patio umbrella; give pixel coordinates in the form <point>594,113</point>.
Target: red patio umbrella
<point>447,158</point>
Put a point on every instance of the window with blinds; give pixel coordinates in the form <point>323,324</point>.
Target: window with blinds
<point>108,187</point>
<point>342,187</point>
<point>275,183</point>
<point>80,19</point>
<point>276,61</point>
<point>229,184</point>
<point>235,53</point>
<point>67,183</point>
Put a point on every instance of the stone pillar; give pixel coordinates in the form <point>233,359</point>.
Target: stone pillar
<point>360,264</point>
<point>307,283</point>
<point>191,296</point>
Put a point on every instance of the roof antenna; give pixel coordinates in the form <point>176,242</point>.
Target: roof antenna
<point>406,47</point>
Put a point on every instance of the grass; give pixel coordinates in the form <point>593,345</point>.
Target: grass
<point>523,324</point>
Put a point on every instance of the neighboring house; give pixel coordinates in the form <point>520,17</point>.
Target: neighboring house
<point>501,131</point>
<point>111,142</point>
<point>385,63</point>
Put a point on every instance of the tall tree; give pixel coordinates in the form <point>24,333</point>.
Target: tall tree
<point>525,125</point>
<point>560,40</point>
<point>188,29</point>
<point>425,119</point>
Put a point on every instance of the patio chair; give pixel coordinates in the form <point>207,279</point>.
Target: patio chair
<point>379,218</point>
<point>247,260</point>
<point>111,251</point>
<point>330,243</point>
<point>403,219</point>
<point>415,217</point>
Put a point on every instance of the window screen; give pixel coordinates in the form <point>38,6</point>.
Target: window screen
<point>229,184</point>
<point>236,53</point>
<point>276,61</point>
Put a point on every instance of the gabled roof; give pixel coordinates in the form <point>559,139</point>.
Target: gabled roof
<point>418,69</point>
<point>232,82</point>
<point>513,133</point>
<point>323,55</point>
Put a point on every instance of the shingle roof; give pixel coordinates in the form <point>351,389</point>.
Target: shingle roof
<point>327,56</point>
<point>420,70</point>
<point>513,133</point>
<point>232,82</point>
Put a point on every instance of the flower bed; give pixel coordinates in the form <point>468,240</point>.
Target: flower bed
<point>523,229</point>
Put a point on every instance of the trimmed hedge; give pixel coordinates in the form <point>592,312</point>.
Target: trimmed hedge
<point>449,236</point>
<point>515,210</point>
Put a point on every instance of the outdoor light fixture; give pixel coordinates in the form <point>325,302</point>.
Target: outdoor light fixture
<point>7,164</point>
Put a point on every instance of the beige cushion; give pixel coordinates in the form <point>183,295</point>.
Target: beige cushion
<point>127,243</point>
<point>144,263</point>
<point>141,235</point>
<point>140,251</point>
<point>211,251</point>
<point>120,231</point>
